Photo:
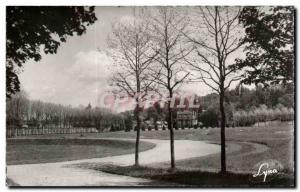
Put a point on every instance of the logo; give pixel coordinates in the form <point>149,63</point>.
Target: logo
<point>265,171</point>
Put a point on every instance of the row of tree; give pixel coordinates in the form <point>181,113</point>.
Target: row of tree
<point>245,99</point>
<point>262,114</point>
<point>20,111</point>
<point>160,48</point>
<point>152,49</point>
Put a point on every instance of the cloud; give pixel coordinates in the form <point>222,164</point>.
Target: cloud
<point>91,66</point>
<point>127,19</point>
<point>90,73</point>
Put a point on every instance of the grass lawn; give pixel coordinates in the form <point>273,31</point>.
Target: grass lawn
<point>256,144</point>
<point>191,178</point>
<point>278,139</point>
<point>26,151</point>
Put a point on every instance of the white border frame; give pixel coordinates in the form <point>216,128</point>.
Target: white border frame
<point>5,3</point>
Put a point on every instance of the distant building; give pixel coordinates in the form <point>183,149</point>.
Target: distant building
<point>188,116</point>
<point>184,115</point>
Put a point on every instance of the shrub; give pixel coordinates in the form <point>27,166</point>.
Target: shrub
<point>243,118</point>
<point>209,118</point>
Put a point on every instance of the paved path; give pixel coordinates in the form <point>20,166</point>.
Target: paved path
<point>61,174</point>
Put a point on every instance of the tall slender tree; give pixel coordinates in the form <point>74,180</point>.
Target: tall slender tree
<point>132,52</point>
<point>216,38</point>
<point>166,26</point>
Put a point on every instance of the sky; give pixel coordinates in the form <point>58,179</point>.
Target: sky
<point>78,74</point>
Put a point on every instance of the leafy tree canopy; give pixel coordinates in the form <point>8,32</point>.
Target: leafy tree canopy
<point>269,45</point>
<point>32,29</point>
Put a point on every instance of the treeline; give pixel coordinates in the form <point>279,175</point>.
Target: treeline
<point>262,114</point>
<point>246,107</point>
<point>24,113</point>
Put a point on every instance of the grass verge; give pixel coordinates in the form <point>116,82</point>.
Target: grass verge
<point>278,138</point>
<point>191,178</point>
<point>28,151</point>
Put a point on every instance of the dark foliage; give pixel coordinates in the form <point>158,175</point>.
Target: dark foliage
<point>31,30</point>
<point>209,118</point>
<point>269,44</point>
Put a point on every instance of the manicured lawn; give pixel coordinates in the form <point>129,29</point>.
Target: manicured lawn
<point>277,138</point>
<point>257,144</point>
<point>191,178</point>
<point>26,151</point>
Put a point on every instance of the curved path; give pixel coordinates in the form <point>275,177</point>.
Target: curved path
<point>61,174</point>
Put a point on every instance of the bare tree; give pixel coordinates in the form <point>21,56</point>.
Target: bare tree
<point>17,108</point>
<point>166,26</point>
<point>132,53</point>
<point>216,38</point>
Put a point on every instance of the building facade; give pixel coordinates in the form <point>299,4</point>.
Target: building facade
<point>187,118</point>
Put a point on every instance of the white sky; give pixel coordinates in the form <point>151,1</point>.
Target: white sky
<point>78,73</point>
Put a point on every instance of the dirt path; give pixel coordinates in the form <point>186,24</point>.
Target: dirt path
<point>62,174</point>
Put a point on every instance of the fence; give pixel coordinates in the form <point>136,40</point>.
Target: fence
<point>15,131</point>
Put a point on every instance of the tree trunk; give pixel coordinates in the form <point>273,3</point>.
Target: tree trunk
<point>170,127</point>
<point>223,123</point>
<point>138,129</point>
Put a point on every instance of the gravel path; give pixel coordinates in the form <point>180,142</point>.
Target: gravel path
<point>62,174</point>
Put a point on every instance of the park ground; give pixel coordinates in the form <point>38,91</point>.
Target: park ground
<point>246,146</point>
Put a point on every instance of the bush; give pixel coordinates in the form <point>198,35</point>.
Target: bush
<point>175,126</point>
<point>128,124</point>
<point>243,118</point>
<point>209,118</point>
